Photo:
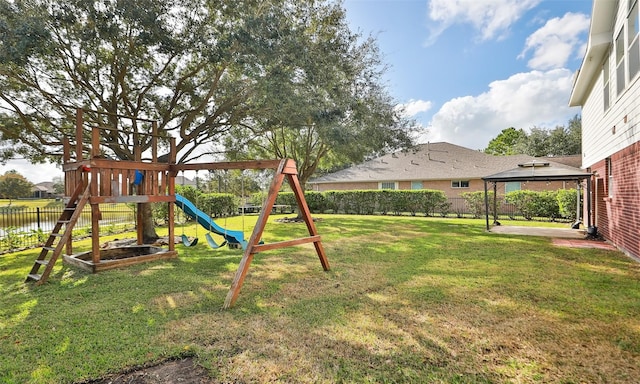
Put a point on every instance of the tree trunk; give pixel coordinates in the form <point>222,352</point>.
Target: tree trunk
<point>149,234</point>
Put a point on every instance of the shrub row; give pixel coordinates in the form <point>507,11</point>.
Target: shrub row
<point>528,204</point>
<point>368,202</point>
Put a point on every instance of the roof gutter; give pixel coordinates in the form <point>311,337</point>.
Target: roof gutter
<point>600,39</point>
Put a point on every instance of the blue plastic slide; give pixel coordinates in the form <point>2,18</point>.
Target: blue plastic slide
<point>232,237</point>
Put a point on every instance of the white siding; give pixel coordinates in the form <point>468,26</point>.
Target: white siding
<point>599,138</point>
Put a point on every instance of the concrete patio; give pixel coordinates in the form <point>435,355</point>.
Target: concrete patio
<point>562,237</point>
<point>563,233</point>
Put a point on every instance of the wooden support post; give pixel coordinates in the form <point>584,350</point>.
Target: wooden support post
<point>172,191</point>
<point>286,167</point>
<point>79,124</point>
<point>95,233</point>
<point>154,141</point>
<point>95,142</point>
<point>294,183</point>
<point>66,150</point>
<point>247,256</point>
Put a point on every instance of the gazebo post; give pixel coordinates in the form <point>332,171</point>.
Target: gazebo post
<point>486,204</point>
<point>495,202</point>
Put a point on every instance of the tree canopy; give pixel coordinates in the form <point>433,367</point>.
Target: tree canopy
<point>539,142</point>
<point>505,143</point>
<point>13,185</point>
<point>202,69</point>
<point>274,78</point>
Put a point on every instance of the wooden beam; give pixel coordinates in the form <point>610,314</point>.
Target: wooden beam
<point>286,168</point>
<point>95,143</point>
<point>294,183</point>
<point>247,256</point>
<point>95,233</point>
<point>282,244</point>
<point>131,199</point>
<point>249,164</point>
<point>79,134</point>
<point>171,191</point>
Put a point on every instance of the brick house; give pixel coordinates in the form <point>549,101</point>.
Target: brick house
<point>607,87</point>
<point>440,166</point>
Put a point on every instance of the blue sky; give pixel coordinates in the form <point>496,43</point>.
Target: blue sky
<point>465,69</point>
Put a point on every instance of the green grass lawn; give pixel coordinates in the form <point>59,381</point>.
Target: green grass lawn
<point>407,300</point>
<point>29,204</point>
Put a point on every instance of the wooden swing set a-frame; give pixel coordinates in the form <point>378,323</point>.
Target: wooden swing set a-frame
<point>285,168</point>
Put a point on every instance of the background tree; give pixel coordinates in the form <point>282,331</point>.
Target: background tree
<point>505,143</point>
<point>540,142</point>
<point>58,185</point>
<point>13,185</point>
<point>202,69</point>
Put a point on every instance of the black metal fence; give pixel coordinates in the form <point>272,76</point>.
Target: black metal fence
<point>28,227</point>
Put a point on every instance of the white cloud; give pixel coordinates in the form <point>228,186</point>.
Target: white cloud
<point>414,107</point>
<point>524,100</point>
<point>557,41</point>
<point>491,17</point>
<point>35,173</point>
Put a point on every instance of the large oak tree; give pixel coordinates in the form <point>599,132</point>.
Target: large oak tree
<point>205,70</point>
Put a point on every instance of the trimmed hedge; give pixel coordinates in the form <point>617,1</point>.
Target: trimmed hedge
<point>528,204</point>
<point>368,202</point>
<point>567,202</point>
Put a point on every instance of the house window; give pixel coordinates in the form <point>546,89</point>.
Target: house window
<point>632,38</point>
<point>460,184</point>
<point>512,186</point>
<point>609,176</point>
<point>388,185</point>
<point>606,93</point>
<point>620,79</point>
<point>416,185</point>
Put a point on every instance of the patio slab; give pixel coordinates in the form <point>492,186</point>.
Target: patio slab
<point>561,237</point>
<point>564,233</point>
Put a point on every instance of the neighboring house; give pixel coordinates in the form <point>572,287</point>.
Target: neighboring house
<point>185,182</point>
<point>441,166</point>
<point>43,190</point>
<point>607,88</point>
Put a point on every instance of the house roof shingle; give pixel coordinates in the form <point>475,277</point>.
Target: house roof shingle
<point>431,161</point>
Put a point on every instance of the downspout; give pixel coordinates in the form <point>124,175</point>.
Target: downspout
<point>589,223</point>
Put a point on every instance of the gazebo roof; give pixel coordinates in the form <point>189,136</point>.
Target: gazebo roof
<point>539,171</point>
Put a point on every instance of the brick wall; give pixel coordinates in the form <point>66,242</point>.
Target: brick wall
<point>618,216</point>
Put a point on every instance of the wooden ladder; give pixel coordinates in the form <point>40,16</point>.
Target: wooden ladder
<point>68,218</point>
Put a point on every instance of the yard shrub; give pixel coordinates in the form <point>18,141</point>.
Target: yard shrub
<point>532,204</point>
<point>286,198</point>
<point>218,204</point>
<point>315,200</point>
<point>385,201</point>
<point>368,202</point>
<point>476,203</point>
<point>547,205</point>
<point>567,202</point>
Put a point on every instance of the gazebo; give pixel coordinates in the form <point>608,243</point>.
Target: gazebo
<point>538,171</point>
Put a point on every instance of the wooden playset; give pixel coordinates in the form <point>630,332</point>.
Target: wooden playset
<point>91,178</point>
